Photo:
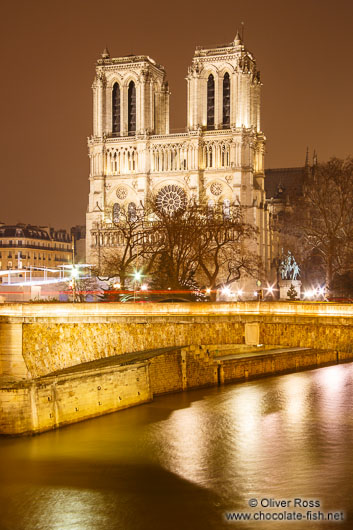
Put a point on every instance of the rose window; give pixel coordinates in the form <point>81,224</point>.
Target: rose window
<point>216,188</point>
<point>171,198</point>
<point>121,192</point>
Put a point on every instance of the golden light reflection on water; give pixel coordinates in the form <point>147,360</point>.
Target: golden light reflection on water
<point>294,393</point>
<point>66,508</point>
<point>332,379</point>
<point>245,409</point>
<point>277,437</point>
<point>186,438</point>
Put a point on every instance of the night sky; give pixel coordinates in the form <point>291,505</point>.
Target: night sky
<point>304,50</point>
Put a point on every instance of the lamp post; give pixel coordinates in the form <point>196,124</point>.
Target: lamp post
<point>137,278</point>
<point>74,275</point>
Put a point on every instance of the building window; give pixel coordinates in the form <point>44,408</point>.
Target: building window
<point>226,101</point>
<point>210,208</point>
<point>210,102</point>
<point>131,210</point>
<point>226,208</point>
<point>116,213</point>
<point>132,109</point>
<point>116,110</point>
<point>171,199</point>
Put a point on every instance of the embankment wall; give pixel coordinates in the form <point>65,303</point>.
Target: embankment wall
<point>37,341</point>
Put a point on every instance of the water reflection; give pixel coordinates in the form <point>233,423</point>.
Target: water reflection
<point>183,460</point>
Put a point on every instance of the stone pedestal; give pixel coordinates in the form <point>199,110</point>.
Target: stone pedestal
<point>284,286</point>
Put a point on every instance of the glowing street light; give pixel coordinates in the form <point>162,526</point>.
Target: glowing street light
<point>310,293</point>
<point>137,276</point>
<point>321,291</point>
<point>75,273</point>
<point>270,291</point>
<point>208,290</point>
<point>225,291</point>
<point>144,287</point>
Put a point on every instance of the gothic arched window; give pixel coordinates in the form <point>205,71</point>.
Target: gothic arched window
<point>132,109</point>
<point>116,213</point>
<point>226,208</point>
<point>226,101</point>
<point>210,102</point>
<point>131,211</point>
<point>116,110</point>
<point>210,207</point>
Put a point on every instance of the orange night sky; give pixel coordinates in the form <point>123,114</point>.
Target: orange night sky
<point>304,50</point>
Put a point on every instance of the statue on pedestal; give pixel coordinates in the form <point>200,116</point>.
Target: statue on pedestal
<point>290,272</point>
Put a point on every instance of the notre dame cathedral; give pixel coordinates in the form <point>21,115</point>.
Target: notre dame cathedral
<point>218,159</point>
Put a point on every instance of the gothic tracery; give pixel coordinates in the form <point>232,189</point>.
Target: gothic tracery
<point>171,198</point>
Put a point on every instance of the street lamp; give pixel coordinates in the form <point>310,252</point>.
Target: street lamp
<point>75,273</point>
<point>137,278</point>
<point>225,291</point>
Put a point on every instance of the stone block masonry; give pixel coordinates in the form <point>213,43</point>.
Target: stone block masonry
<point>53,401</point>
<point>62,363</point>
<point>166,373</point>
<point>272,362</point>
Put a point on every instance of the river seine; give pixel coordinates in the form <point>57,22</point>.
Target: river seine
<point>192,460</point>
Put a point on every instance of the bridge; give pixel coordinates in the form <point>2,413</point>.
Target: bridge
<point>61,363</point>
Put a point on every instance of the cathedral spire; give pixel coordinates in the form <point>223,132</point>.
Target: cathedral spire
<point>237,39</point>
<point>314,158</point>
<point>307,157</point>
<point>105,54</point>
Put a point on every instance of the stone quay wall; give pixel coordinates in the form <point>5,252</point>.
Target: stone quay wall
<point>54,401</point>
<point>43,345</point>
<point>38,339</point>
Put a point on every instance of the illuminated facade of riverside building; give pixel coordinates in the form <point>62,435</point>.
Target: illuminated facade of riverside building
<point>219,159</point>
<point>23,247</point>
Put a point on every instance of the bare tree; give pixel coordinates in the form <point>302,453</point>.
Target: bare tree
<point>322,218</point>
<point>173,246</point>
<point>224,247</point>
<point>180,248</point>
<point>203,246</point>
<point>127,247</point>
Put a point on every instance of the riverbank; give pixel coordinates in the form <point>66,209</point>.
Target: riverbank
<point>30,406</point>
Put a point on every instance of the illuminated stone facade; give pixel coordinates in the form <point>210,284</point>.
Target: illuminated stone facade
<point>219,159</point>
<point>24,247</point>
